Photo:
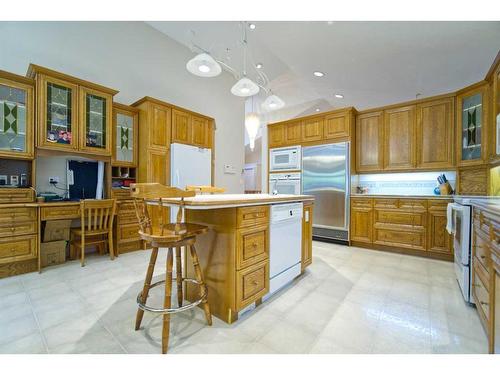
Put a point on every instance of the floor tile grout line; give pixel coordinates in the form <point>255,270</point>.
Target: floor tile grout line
<point>40,331</point>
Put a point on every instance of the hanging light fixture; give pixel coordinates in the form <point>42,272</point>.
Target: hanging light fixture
<point>203,65</point>
<point>245,87</point>
<point>252,125</point>
<point>273,103</point>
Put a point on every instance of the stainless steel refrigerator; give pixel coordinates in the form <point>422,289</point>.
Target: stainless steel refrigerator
<point>325,174</point>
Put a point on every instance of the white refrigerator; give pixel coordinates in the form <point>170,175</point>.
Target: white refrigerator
<point>189,165</point>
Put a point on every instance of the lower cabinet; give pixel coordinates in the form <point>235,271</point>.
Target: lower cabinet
<point>416,225</point>
<point>126,231</point>
<point>307,235</point>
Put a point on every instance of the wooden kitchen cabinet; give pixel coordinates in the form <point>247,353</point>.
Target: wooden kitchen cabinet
<point>337,125</point>
<point>312,129</point>
<point>157,133</point>
<point>200,132</point>
<point>399,138</point>
<point>17,109</point>
<point>191,129</point>
<point>435,134</point>
<point>293,133</point>
<point>361,228</point>
<point>369,142</point>
<point>276,135</point>
<point>307,236</point>
<point>181,127</point>
<point>72,114</point>
<point>473,180</point>
<point>439,240</point>
<point>125,135</point>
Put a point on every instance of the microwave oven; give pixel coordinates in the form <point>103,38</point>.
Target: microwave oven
<point>285,159</point>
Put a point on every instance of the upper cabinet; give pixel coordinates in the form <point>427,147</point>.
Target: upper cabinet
<point>435,130</point>
<point>293,133</point>
<point>181,127</point>
<point>313,129</point>
<point>72,114</point>
<point>495,128</point>
<point>369,141</point>
<point>125,123</point>
<point>337,125</point>
<point>191,129</point>
<point>276,135</point>
<point>472,112</point>
<point>399,138</point>
<point>16,116</point>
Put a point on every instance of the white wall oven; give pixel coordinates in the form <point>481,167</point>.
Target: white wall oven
<point>285,159</point>
<point>284,183</point>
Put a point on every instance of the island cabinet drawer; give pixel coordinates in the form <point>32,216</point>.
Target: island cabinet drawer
<point>252,216</point>
<point>252,246</point>
<point>481,251</point>
<point>16,195</point>
<point>398,237</point>
<point>17,229</point>
<point>13,249</point>
<point>385,203</point>
<point>481,297</point>
<point>12,215</point>
<point>128,232</point>
<point>60,212</point>
<point>362,202</point>
<point>252,283</point>
<point>413,204</point>
<point>399,217</point>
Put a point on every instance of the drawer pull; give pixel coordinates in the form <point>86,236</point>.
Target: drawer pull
<point>482,256</point>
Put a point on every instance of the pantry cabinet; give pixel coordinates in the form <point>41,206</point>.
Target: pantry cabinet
<point>125,131</point>
<point>16,116</point>
<point>435,134</point>
<point>399,138</point>
<point>369,142</point>
<point>472,119</point>
<point>72,114</point>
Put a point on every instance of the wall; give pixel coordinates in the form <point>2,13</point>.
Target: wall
<point>137,60</point>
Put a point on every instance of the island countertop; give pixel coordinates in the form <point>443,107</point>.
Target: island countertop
<point>213,201</point>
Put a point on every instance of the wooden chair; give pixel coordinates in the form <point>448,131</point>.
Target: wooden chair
<point>96,217</point>
<point>156,228</point>
<point>205,189</point>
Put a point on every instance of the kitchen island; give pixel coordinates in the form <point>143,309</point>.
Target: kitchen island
<point>237,252</point>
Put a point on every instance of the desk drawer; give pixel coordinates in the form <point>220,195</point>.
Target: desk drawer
<point>11,215</point>
<point>120,194</point>
<point>128,232</point>
<point>16,195</point>
<point>60,212</point>
<point>399,217</point>
<point>251,216</point>
<point>17,229</point>
<point>252,246</point>
<point>13,249</point>
<point>252,283</point>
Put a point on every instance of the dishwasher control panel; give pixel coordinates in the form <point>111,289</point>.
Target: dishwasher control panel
<point>286,211</point>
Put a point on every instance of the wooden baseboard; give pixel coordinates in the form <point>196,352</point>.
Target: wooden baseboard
<point>424,254</point>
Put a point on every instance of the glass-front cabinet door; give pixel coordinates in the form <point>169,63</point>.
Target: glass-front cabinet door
<point>95,120</point>
<point>471,121</point>
<point>16,119</point>
<point>125,121</point>
<point>57,121</point>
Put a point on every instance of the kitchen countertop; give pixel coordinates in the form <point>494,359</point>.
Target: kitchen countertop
<point>403,196</point>
<point>237,200</point>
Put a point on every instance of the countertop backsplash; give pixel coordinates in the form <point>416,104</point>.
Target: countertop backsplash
<point>418,183</point>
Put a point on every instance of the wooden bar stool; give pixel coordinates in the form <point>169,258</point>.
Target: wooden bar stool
<point>96,216</point>
<point>156,229</point>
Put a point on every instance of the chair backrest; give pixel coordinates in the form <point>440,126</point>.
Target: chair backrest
<point>97,214</point>
<point>150,206</point>
<point>205,189</point>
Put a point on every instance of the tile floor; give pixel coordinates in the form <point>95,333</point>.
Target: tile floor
<point>350,300</point>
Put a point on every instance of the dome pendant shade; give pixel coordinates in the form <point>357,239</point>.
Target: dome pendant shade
<point>272,103</point>
<point>203,65</point>
<point>245,87</point>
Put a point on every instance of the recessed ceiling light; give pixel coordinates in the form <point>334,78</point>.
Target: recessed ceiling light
<point>317,109</point>
<point>259,65</point>
<point>339,96</point>
<point>318,74</point>
<point>252,26</point>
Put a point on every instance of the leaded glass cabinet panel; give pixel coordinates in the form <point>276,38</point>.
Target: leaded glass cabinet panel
<point>96,110</point>
<point>125,135</point>
<point>16,118</point>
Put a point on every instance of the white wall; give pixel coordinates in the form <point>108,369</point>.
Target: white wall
<point>137,60</point>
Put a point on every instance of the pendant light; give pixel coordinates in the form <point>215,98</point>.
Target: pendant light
<point>203,65</point>
<point>273,103</point>
<point>245,86</point>
<point>252,125</point>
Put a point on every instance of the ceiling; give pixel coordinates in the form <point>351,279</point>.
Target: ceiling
<point>370,63</point>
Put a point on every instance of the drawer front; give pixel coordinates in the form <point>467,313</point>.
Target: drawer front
<point>126,206</point>
<point>128,232</point>
<point>120,194</point>
<point>413,204</point>
<point>252,246</point>
<point>18,229</point>
<point>60,212</point>
<point>16,195</point>
<point>398,237</point>
<point>125,247</point>
<point>251,216</point>
<point>11,215</point>
<point>385,203</point>
<point>252,283</point>
<point>13,249</point>
<point>438,204</point>
<point>481,251</point>
<point>399,218</point>
<point>481,296</point>
<point>362,202</point>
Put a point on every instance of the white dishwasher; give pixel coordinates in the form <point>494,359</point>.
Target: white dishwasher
<point>285,244</point>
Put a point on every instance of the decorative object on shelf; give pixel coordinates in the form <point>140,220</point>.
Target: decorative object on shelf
<point>203,65</point>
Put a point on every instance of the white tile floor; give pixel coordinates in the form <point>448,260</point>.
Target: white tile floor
<point>350,300</point>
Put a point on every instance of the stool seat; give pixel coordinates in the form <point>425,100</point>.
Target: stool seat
<point>173,232</point>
